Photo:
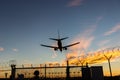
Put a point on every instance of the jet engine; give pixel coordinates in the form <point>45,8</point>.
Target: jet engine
<point>65,48</point>
<point>55,49</point>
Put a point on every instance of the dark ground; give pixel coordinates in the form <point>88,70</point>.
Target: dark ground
<point>105,78</point>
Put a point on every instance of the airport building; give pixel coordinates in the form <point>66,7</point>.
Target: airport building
<point>86,73</point>
<point>92,73</point>
<point>97,73</point>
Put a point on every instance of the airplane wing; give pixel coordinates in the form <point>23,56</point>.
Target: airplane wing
<point>53,39</point>
<point>71,45</point>
<point>49,46</point>
<point>58,39</point>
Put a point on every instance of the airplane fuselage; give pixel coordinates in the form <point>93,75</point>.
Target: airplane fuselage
<point>60,45</point>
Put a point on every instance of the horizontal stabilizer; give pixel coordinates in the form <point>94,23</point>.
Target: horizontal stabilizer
<point>63,38</point>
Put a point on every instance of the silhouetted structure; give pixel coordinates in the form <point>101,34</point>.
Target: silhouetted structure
<point>60,72</point>
<point>20,77</point>
<point>13,70</point>
<point>36,75</point>
<point>86,74</point>
<point>92,73</point>
<point>97,73</point>
<point>67,71</point>
<point>108,58</point>
<point>6,75</point>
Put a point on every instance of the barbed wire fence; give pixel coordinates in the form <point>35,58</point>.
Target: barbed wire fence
<point>107,54</point>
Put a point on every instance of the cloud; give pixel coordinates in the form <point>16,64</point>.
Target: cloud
<point>98,57</point>
<point>51,64</point>
<point>71,55</point>
<point>99,18</point>
<point>112,30</point>
<point>102,43</point>
<point>1,49</point>
<point>26,63</point>
<point>85,40</point>
<point>75,3</point>
<point>15,50</point>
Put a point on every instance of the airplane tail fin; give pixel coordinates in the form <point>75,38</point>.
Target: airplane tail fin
<point>58,35</point>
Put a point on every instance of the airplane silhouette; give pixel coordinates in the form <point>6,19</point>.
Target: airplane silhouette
<point>59,43</point>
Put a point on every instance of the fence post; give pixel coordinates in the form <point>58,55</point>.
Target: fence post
<point>6,75</point>
<point>45,71</point>
<point>67,71</point>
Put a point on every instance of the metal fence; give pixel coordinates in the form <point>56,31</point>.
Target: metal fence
<point>61,72</point>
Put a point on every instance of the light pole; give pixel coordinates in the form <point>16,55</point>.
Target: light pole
<point>108,59</point>
<point>12,63</point>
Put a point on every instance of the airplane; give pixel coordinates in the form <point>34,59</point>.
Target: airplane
<point>59,44</point>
